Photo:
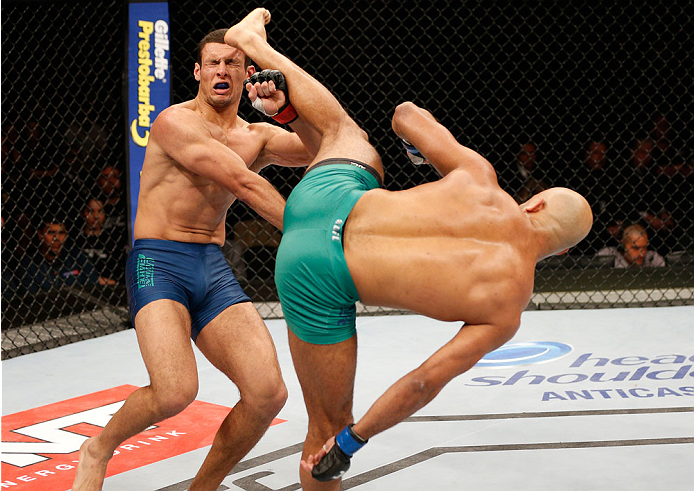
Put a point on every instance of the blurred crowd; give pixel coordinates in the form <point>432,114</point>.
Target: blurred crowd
<point>63,209</point>
<point>642,197</point>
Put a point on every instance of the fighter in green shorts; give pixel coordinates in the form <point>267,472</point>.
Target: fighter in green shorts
<point>456,249</point>
<point>314,284</point>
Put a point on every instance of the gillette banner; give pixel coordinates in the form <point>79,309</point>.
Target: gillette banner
<point>148,87</point>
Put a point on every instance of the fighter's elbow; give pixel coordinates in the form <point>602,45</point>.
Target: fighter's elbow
<point>242,187</point>
<point>503,332</point>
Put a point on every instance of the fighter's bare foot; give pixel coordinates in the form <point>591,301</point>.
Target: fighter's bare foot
<point>253,23</point>
<point>91,470</point>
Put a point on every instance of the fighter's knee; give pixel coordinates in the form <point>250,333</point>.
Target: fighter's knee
<point>318,434</point>
<point>276,398</point>
<point>268,397</point>
<point>357,140</point>
<point>356,131</point>
<point>322,428</point>
<point>172,401</point>
<point>175,404</point>
<point>363,134</point>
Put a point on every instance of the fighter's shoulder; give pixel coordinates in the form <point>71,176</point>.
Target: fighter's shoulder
<point>177,114</point>
<point>177,123</point>
<point>473,177</point>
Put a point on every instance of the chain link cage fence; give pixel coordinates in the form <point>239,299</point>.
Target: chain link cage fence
<point>596,98</point>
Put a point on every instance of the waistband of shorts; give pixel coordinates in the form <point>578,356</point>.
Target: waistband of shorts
<point>175,246</point>
<point>350,162</point>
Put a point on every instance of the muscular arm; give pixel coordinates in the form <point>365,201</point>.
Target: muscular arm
<point>437,144</point>
<point>288,149</point>
<point>419,387</point>
<point>185,138</point>
<point>284,148</point>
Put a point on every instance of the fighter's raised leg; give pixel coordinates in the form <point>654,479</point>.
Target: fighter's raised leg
<point>341,136</point>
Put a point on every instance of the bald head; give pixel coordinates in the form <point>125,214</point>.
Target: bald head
<point>562,216</point>
<point>635,244</point>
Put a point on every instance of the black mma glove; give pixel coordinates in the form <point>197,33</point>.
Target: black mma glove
<point>332,465</point>
<point>337,460</point>
<point>286,113</point>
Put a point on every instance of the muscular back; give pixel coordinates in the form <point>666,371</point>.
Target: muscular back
<point>455,249</point>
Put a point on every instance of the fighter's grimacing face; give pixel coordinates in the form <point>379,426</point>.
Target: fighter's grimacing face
<point>221,74</point>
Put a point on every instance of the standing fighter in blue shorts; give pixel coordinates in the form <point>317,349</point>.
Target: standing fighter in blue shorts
<point>200,158</point>
<point>456,249</point>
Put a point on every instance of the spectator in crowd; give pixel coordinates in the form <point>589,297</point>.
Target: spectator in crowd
<point>660,132</point>
<point>633,250</point>
<point>642,154</point>
<point>526,182</point>
<point>675,175</point>
<point>110,187</point>
<point>595,180</point>
<point>55,263</point>
<point>526,158</point>
<point>657,195</point>
<point>530,187</point>
<point>681,169</point>
<point>93,242</point>
<point>665,153</point>
<point>109,181</point>
<point>75,166</point>
<point>110,191</point>
<point>646,198</point>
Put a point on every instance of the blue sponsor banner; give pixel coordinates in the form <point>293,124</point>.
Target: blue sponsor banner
<point>148,85</point>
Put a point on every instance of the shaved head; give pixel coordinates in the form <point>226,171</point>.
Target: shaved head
<point>564,215</point>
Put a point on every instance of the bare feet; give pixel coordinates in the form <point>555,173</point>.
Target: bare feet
<point>91,469</point>
<point>253,23</point>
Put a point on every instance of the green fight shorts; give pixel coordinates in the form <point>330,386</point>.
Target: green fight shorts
<point>315,288</point>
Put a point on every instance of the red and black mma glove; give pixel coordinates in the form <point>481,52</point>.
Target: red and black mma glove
<point>337,460</point>
<point>286,114</point>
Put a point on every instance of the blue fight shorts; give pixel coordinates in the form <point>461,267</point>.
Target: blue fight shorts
<point>195,275</point>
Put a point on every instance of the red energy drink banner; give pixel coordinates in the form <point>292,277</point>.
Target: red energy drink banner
<point>148,89</point>
<point>40,446</point>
